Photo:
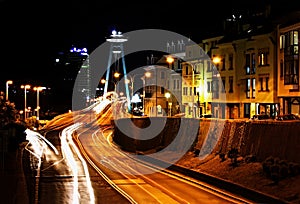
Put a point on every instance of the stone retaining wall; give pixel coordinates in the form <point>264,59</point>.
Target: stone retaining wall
<point>259,138</point>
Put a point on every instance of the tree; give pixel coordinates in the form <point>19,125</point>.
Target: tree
<point>8,112</point>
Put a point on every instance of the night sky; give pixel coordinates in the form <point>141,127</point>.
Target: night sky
<point>32,33</point>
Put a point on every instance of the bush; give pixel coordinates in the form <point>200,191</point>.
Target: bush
<point>277,169</point>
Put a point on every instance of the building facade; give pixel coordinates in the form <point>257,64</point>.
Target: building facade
<point>288,68</point>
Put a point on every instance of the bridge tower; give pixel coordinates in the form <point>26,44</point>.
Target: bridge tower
<point>117,51</point>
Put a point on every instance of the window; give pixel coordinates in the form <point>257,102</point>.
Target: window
<point>267,83</point>
<point>264,82</point>
<point>187,70</point>
<point>291,62</point>
<point>223,63</point>
<point>248,85</point>
<point>253,63</point>
<point>162,75</point>
<point>253,87</point>
<point>215,89</point>
<point>178,84</point>
<point>208,87</point>
<point>162,90</point>
<point>291,43</point>
<point>247,63</point>
<point>291,72</point>
<point>263,55</point>
<point>174,84</point>
<point>208,66</point>
<point>294,42</point>
<point>197,69</point>
<point>295,34</point>
<point>230,61</point>
<point>250,63</point>
<point>282,42</point>
<point>223,83</point>
<point>191,91</point>
<point>185,91</point>
<point>231,84</point>
<point>261,82</point>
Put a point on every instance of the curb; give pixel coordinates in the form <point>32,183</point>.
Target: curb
<point>237,189</point>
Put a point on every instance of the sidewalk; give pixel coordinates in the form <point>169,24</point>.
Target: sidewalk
<point>13,183</point>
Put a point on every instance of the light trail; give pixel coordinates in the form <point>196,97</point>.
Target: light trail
<point>36,134</point>
<point>66,142</point>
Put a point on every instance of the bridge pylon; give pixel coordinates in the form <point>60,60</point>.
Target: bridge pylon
<point>116,51</point>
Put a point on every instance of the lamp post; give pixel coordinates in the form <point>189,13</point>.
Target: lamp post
<point>169,104</point>
<point>170,60</point>
<point>38,89</point>
<point>198,102</point>
<point>193,91</point>
<point>143,78</point>
<point>116,76</point>
<point>7,83</point>
<point>25,87</point>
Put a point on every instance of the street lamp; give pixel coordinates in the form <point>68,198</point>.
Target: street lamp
<point>198,101</point>
<point>116,76</point>
<point>25,87</point>
<point>143,78</point>
<point>170,60</point>
<point>169,105</point>
<point>38,89</point>
<point>7,83</point>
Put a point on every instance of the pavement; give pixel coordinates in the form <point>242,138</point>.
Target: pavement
<point>13,182</point>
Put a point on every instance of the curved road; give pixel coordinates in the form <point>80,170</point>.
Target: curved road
<point>89,168</point>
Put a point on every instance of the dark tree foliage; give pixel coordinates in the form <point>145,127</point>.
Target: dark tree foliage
<point>9,122</point>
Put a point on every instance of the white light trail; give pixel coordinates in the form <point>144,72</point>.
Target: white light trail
<point>66,143</point>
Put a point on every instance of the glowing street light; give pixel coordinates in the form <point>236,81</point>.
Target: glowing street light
<point>169,106</point>
<point>25,87</point>
<point>7,83</point>
<point>216,60</point>
<point>38,89</point>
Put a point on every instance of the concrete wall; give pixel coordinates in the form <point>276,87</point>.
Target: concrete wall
<point>259,138</point>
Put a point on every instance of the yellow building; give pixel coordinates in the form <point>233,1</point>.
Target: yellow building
<point>238,79</point>
<point>288,67</point>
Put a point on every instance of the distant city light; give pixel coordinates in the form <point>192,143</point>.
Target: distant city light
<point>81,51</point>
<point>56,60</point>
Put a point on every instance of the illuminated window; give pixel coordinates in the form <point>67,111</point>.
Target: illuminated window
<point>263,56</point>
<point>248,85</point>
<point>253,87</point>
<point>282,41</point>
<point>250,63</point>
